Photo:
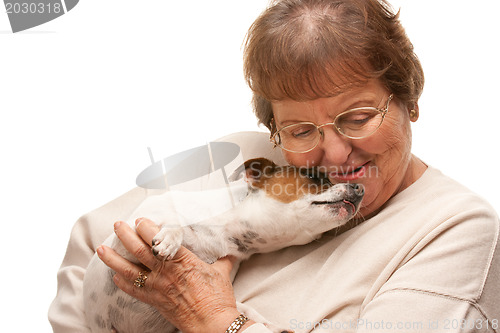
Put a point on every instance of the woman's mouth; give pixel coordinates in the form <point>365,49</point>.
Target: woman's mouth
<point>349,175</point>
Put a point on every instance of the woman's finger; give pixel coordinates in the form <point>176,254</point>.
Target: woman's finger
<point>118,264</point>
<point>139,287</point>
<point>132,279</point>
<point>136,246</point>
<point>147,229</point>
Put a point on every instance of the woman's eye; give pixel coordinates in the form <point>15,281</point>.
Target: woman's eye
<point>302,131</point>
<point>357,119</point>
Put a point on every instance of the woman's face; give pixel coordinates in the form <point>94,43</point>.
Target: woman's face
<point>381,162</point>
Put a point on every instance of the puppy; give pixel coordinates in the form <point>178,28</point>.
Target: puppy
<point>280,206</point>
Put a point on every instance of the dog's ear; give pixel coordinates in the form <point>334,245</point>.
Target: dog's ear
<point>253,170</point>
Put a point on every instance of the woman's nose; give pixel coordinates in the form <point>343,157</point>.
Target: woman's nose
<point>335,147</point>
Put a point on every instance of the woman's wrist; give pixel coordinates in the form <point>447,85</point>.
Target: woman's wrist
<point>238,324</point>
<point>217,323</point>
<point>224,321</point>
<point>246,325</point>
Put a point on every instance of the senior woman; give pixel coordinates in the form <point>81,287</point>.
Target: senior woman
<point>337,83</point>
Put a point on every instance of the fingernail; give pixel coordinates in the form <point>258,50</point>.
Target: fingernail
<point>139,220</point>
<point>100,251</point>
<point>117,224</point>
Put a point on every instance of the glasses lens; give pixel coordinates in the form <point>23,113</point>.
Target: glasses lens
<point>298,137</point>
<point>359,123</point>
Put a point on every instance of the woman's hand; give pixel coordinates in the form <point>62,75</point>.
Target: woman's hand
<point>189,293</point>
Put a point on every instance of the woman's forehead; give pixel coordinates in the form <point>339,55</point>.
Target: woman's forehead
<point>310,85</point>
<point>360,91</point>
<point>368,94</point>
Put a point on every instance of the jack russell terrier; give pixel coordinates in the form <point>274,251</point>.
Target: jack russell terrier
<point>281,206</point>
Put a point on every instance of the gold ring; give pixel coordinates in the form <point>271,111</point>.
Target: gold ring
<point>141,280</point>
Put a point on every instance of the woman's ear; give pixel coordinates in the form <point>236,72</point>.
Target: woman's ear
<point>414,112</point>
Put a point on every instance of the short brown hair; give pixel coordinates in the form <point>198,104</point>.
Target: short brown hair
<point>308,49</point>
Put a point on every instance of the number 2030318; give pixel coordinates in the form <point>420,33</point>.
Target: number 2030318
<point>33,8</point>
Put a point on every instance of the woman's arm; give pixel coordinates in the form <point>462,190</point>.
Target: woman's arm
<point>66,313</point>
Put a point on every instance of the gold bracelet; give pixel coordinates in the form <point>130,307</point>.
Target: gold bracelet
<point>236,324</point>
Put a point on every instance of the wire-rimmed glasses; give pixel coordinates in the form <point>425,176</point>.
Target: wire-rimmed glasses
<point>357,123</point>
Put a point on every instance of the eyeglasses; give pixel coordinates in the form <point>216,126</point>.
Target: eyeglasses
<point>355,123</point>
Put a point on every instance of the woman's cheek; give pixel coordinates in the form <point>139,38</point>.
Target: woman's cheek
<point>307,160</point>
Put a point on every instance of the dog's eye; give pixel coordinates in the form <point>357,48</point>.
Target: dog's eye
<point>313,177</point>
<point>319,178</point>
<point>325,181</point>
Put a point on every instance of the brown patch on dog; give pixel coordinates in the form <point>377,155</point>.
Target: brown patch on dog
<point>284,183</point>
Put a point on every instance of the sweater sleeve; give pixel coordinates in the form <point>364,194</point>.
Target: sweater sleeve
<point>257,328</point>
<point>66,313</point>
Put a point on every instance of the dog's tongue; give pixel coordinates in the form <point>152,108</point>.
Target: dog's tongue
<point>350,204</point>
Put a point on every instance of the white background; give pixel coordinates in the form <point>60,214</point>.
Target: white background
<point>83,96</point>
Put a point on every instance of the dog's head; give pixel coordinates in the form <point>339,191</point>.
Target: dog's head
<point>305,188</point>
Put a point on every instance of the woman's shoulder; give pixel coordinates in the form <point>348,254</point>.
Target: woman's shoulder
<point>435,206</point>
<point>437,191</point>
<point>445,227</point>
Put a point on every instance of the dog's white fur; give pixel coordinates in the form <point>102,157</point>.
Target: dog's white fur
<point>260,223</point>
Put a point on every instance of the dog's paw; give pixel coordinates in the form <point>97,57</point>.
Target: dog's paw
<point>167,242</point>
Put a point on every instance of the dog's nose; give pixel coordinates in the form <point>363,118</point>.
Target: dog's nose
<point>355,193</point>
<point>358,189</point>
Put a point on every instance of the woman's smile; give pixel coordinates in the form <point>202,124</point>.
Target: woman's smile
<point>349,174</point>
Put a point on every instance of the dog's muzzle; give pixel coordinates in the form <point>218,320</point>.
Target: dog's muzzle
<point>352,198</point>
